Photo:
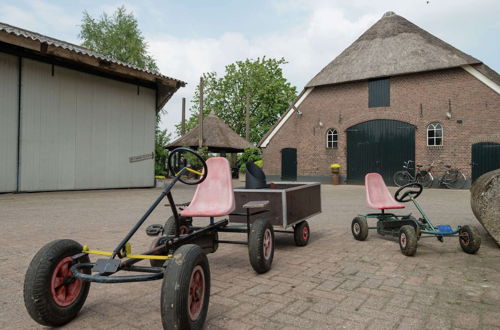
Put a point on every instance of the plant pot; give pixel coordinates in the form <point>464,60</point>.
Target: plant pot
<point>242,177</point>
<point>335,178</point>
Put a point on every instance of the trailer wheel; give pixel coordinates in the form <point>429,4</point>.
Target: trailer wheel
<point>185,291</point>
<point>359,228</point>
<point>261,245</point>
<point>52,295</point>
<point>469,239</point>
<point>169,228</point>
<point>408,240</point>
<point>301,233</point>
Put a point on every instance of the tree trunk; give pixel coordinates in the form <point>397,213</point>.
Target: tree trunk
<point>485,202</point>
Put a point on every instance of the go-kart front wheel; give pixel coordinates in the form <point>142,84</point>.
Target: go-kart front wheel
<point>408,240</point>
<point>261,245</point>
<point>359,228</point>
<point>469,238</point>
<point>52,295</point>
<point>185,291</point>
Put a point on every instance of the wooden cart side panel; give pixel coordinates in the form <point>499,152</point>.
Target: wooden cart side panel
<point>302,203</point>
<point>275,206</point>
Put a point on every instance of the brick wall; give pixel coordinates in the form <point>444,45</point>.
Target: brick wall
<point>418,99</point>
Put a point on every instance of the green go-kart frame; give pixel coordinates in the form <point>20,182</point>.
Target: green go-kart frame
<point>407,228</point>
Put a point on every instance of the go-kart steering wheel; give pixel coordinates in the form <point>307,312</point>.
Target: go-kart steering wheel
<point>409,194</point>
<point>183,164</point>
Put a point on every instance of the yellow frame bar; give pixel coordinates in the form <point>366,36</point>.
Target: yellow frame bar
<point>190,170</point>
<point>86,249</point>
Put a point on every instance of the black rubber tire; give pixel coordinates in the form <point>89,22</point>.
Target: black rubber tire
<point>408,240</point>
<point>301,233</point>
<point>37,281</point>
<point>470,239</point>
<point>256,250</point>
<point>359,228</point>
<point>170,229</point>
<point>401,178</point>
<point>175,288</point>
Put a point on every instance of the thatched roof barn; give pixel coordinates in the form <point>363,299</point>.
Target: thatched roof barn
<point>393,46</point>
<point>217,136</point>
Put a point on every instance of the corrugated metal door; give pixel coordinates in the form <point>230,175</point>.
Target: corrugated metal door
<point>485,158</point>
<point>9,101</point>
<point>79,131</point>
<point>289,164</point>
<point>378,146</point>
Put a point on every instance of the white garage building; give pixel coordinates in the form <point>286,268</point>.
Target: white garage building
<point>74,119</point>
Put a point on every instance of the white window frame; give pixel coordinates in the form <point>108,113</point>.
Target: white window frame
<point>435,126</point>
<point>333,133</point>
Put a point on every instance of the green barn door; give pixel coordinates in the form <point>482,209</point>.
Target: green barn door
<point>378,146</point>
<point>289,164</point>
<point>485,158</point>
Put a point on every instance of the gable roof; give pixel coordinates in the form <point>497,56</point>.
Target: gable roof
<point>217,136</point>
<point>392,46</point>
<point>40,45</point>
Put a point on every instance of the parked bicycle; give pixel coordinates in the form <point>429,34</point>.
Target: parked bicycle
<point>406,176</point>
<point>452,178</point>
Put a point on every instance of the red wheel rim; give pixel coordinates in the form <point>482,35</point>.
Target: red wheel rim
<point>267,244</point>
<point>305,233</point>
<point>183,230</point>
<point>356,228</point>
<point>196,292</point>
<point>464,238</point>
<point>64,288</point>
<point>402,240</point>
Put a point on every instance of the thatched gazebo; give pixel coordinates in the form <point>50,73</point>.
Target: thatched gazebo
<point>217,137</point>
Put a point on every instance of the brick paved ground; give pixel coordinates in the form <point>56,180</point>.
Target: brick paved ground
<point>334,282</point>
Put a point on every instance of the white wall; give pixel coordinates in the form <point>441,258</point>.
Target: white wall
<point>8,121</point>
<point>79,130</point>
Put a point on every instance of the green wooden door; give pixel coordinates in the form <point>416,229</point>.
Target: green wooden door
<point>485,158</point>
<point>289,164</point>
<point>378,146</point>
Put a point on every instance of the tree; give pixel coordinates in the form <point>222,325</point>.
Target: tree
<point>259,82</point>
<point>118,37</point>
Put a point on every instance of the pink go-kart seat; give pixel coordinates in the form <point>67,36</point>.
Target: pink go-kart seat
<point>214,197</point>
<point>377,195</point>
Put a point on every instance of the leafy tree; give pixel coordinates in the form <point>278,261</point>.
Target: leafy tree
<point>259,82</point>
<point>118,37</point>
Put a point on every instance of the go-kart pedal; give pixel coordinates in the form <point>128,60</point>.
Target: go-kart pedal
<point>154,229</point>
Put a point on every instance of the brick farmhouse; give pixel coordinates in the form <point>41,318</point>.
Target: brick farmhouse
<point>397,93</point>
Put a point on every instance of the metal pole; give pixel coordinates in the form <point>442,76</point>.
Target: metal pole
<point>200,138</point>
<point>183,123</point>
<point>247,115</point>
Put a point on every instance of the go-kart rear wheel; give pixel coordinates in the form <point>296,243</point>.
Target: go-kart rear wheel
<point>261,245</point>
<point>301,233</point>
<point>170,229</point>
<point>52,295</point>
<point>359,228</point>
<point>408,240</point>
<point>185,291</point>
<point>153,262</point>
<point>469,238</point>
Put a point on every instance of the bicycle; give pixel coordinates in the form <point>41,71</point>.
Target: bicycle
<point>453,178</point>
<point>405,177</point>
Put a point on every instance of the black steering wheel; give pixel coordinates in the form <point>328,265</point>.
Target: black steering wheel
<point>186,162</point>
<point>410,193</point>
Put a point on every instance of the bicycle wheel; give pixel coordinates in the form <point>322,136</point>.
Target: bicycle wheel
<point>401,178</point>
<point>425,178</point>
<point>457,181</point>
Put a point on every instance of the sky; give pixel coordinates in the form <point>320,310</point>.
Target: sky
<point>190,37</point>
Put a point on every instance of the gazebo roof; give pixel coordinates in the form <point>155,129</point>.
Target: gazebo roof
<point>217,136</point>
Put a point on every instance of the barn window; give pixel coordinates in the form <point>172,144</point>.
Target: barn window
<point>435,134</point>
<point>331,138</point>
<point>379,93</point>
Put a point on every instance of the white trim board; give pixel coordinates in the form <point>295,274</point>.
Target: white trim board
<point>481,77</point>
<point>292,109</point>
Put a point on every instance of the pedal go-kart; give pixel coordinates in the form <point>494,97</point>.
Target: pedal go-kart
<point>58,278</point>
<point>406,227</point>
